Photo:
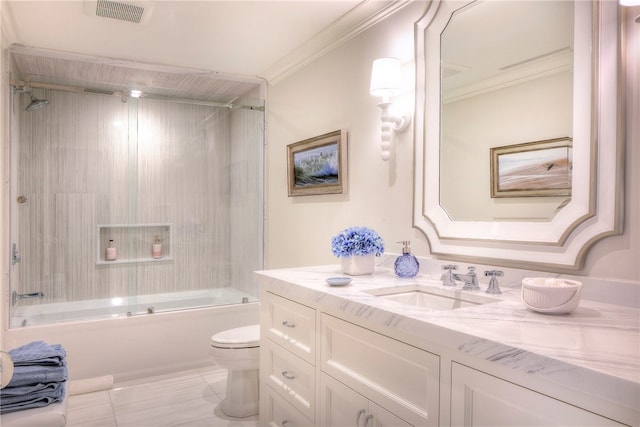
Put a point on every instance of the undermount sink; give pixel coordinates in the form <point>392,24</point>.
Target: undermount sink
<point>431,298</point>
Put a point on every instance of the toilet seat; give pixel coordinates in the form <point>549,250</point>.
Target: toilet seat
<point>243,337</point>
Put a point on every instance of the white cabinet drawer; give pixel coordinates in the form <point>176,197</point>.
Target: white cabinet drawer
<point>291,325</point>
<point>395,375</point>
<point>280,413</point>
<point>291,377</point>
<point>480,399</point>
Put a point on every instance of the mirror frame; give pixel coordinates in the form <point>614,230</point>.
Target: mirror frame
<point>594,212</point>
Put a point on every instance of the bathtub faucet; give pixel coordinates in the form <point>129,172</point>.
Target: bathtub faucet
<point>15,297</point>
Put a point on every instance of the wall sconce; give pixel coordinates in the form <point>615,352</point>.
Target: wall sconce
<point>386,79</point>
<point>631,3</point>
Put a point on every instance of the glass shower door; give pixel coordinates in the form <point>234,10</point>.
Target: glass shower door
<point>100,181</point>
<point>70,170</point>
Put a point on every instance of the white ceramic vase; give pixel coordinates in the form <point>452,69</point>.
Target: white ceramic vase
<point>357,265</point>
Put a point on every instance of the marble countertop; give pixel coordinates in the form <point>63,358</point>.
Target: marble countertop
<point>594,349</point>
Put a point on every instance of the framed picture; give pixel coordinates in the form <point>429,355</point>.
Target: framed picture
<point>318,165</point>
<point>532,169</point>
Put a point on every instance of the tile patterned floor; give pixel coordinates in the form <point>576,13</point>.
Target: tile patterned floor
<point>184,399</point>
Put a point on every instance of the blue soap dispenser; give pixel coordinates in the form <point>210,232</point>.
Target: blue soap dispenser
<point>406,265</point>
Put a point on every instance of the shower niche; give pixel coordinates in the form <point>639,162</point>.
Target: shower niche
<point>134,243</point>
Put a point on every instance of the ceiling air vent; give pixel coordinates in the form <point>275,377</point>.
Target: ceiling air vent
<point>132,11</point>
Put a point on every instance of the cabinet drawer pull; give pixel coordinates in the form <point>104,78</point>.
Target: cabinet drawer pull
<point>288,324</point>
<point>360,412</point>
<point>367,419</point>
<point>288,375</point>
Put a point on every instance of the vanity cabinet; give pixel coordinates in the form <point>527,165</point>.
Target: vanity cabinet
<point>359,372</point>
<point>480,399</point>
<point>321,368</point>
<point>336,356</point>
<point>287,361</point>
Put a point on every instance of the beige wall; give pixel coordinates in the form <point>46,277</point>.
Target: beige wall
<point>329,94</point>
<point>332,93</point>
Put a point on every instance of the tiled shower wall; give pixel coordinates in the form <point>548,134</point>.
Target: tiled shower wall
<point>91,159</point>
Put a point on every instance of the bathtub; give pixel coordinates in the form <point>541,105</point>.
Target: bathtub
<point>125,340</point>
<point>39,314</point>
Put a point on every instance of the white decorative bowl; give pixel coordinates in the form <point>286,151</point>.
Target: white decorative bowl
<point>548,295</point>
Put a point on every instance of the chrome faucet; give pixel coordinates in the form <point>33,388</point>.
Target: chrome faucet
<point>470,279</point>
<point>15,297</point>
<point>447,278</point>
<point>494,287</point>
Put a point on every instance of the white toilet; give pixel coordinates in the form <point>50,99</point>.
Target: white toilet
<point>238,351</point>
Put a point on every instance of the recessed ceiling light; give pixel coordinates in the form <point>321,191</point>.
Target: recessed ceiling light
<point>135,93</point>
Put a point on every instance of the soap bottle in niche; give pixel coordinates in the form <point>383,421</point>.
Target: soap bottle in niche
<point>156,249</point>
<point>112,253</point>
<point>406,265</point>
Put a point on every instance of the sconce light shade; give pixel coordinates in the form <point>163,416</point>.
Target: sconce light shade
<point>386,80</point>
<point>386,77</point>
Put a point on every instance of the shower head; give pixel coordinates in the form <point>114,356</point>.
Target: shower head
<point>35,103</point>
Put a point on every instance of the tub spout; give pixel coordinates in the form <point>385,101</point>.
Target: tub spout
<point>15,297</point>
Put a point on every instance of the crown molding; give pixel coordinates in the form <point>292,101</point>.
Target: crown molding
<point>362,17</point>
<point>7,28</point>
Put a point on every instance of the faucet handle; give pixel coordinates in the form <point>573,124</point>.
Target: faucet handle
<point>494,287</point>
<point>447,279</point>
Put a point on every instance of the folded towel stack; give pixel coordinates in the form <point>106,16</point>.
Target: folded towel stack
<point>39,377</point>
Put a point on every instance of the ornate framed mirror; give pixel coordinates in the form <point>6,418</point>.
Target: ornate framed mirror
<point>513,76</point>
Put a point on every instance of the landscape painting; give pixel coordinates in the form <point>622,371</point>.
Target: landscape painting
<point>540,169</point>
<point>318,165</point>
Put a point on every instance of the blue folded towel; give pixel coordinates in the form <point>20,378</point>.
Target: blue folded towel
<point>52,393</point>
<point>38,353</point>
<point>51,390</point>
<point>39,377</point>
<point>19,391</point>
<point>37,374</point>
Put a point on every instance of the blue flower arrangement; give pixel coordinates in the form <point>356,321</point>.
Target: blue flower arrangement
<point>357,241</point>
